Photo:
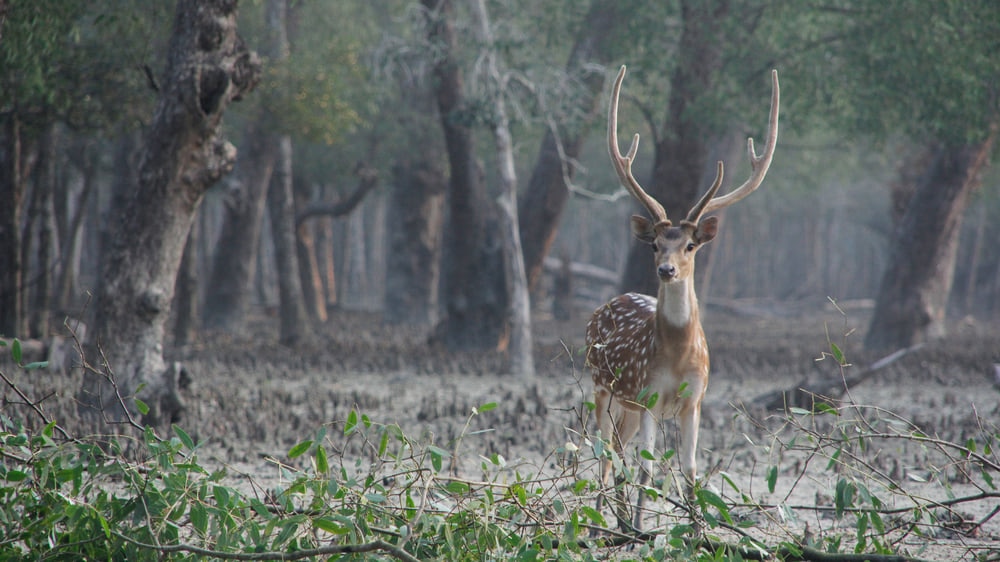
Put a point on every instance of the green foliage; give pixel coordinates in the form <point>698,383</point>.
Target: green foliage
<point>72,61</point>
<point>403,498</point>
<point>885,68</point>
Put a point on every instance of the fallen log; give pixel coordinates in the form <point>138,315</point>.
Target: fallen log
<point>805,393</point>
<point>584,270</point>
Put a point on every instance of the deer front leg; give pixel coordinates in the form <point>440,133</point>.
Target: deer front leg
<point>689,421</point>
<point>647,442</point>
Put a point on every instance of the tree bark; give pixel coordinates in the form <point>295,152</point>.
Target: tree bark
<point>40,220</point>
<point>185,303</point>
<point>305,247</point>
<point>281,209</point>
<point>413,262</point>
<point>70,239</point>
<point>182,154</point>
<point>473,277</point>
<point>542,203</point>
<point>520,354</point>
<point>912,297</point>
<point>11,200</point>
<point>233,269</point>
<point>681,151</point>
<point>229,286</point>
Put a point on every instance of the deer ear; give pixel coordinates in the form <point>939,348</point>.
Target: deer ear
<point>707,229</point>
<point>642,229</point>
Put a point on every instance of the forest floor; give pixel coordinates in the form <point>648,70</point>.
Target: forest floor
<point>250,400</point>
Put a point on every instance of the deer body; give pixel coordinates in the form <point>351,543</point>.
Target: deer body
<point>649,356</point>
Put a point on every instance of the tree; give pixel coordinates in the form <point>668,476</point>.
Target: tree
<point>519,314</point>
<point>57,66</point>
<point>682,146</point>
<point>299,99</point>
<point>182,155</point>
<point>912,299</point>
<point>939,90</point>
<point>473,277</point>
<point>544,198</point>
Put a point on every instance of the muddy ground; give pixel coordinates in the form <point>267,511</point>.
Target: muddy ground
<point>251,399</point>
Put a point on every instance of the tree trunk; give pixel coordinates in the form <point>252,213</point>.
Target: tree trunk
<point>473,276</point>
<point>913,295</point>
<point>40,216</point>
<point>183,153</point>
<point>520,354</point>
<point>542,203</point>
<point>186,291</point>
<point>11,200</point>
<point>229,286</point>
<point>70,240</point>
<point>312,283</point>
<point>233,269</point>
<point>413,262</point>
<point>281,209</point>
<point>325,243</point>
<point>681,151</point>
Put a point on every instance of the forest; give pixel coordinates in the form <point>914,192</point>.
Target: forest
<point>248,229</point>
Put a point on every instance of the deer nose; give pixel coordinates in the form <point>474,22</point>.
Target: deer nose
<point>666,271</point>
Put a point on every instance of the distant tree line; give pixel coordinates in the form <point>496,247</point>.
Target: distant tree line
<point>425,158</point>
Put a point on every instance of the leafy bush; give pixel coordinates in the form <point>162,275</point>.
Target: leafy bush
<point>65,498</point>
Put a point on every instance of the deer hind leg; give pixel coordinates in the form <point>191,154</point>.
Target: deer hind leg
<point>617,425</point>
<point>627,424</point>
<point>606,428</point>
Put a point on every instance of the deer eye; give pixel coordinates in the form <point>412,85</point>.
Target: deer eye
<point>691,246</point>
<point>653,247</point>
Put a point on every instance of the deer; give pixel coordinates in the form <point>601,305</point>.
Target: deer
<point>649,357</point>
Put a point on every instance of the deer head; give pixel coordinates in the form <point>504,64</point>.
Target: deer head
<point>676,246</point>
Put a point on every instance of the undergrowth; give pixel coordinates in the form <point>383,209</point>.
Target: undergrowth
<point>62,497</point>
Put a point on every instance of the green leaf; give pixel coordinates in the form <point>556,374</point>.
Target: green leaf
<point>437,457</point>
<point>36,365</point>
<point>456,487</point>
<point>824,408</point>
<point>843,497</point>
<point>330,526</point>
<point>199,518</point>
<point>772,478</point>
<point>487,407</point>
<point>653,399</point>
<point>711,498</point>
<point>298,450</point>
<point>222,496</point>
<point>15,475</point>
<point>799,411</point>
<point>594,515</point>
<point>684,391</point>
<point>647,455</point>
<point>838,355</point>
<point>183,436</point>
<point>322,465</point>
<point>383,443</point>
<point>15,350</point>
<point>141,406</point>
<point>352,422</point>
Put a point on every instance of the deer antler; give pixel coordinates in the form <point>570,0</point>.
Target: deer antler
<point>758,164</point>
<point>623,164</point>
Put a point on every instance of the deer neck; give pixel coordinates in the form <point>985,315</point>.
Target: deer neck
<point>677,307</point>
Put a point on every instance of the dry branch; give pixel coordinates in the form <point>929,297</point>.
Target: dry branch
<point>367,181</point>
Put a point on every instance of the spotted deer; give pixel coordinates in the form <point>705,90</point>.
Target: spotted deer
<point>649,356</point>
